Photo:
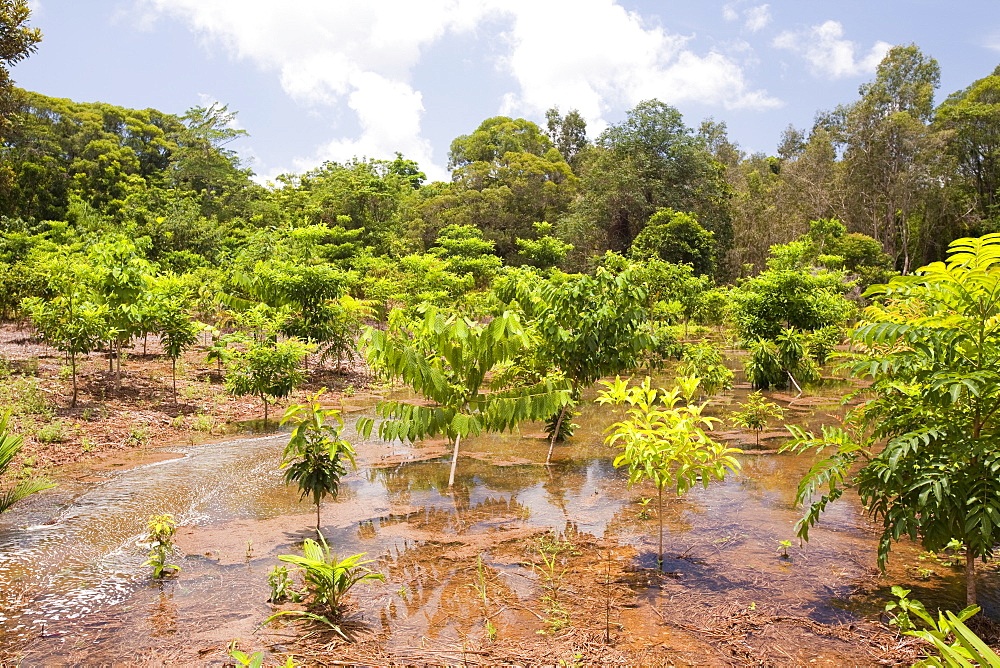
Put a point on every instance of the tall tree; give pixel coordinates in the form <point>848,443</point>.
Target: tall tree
<point>972,116</point>
<point>17,42</point>
<point>651,161</point>
<point>568,133</point>
<point>891,156</point>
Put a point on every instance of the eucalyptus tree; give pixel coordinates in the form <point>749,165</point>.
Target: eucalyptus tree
<point>448,359</point>
<point>931,346</point>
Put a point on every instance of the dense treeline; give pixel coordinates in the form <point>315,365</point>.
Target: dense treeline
<point>889,165</point>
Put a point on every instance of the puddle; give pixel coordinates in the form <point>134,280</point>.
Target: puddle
<point>73,588</point>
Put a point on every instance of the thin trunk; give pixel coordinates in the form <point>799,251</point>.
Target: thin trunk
<point>659,513</point>
<point>145,339</point>
<point>318,533</point>
<point>555,433</point>
<point>265,410</point>
<point>72,361</point>
<point>173,376</point>
<point>970,577</point>
<point>792,378</point>
<point>454,461</point>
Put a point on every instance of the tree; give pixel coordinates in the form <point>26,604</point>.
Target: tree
<point>568,133</point>
<point>652,161</point>
<point>588,327</point>
<point>10,445</point>
<point>545,252</point>
<point>266,369</point>
<point>891,157</point>
<point>932,349</point>
<point>72,320</point>
<point>178,332</point>
<point>755,414</point>
<point>17,42</point>
<point>676,237</point>
<point>448,359</point>
<point>315,457</point>
<point>973,117</point>
<point>663,442</point>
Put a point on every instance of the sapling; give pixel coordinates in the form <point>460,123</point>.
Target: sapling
<point>755,414</point>
<point>665,442</point>
<point>161,532</point>
<point>316,457</point>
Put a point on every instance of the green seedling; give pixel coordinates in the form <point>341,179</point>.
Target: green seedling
<point>161,532</point>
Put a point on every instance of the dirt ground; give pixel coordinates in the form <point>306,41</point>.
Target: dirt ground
<point>112,416</point>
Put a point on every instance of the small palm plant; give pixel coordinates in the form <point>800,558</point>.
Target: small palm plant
<point>755,414</point>
<point>316,457</point>
<point>328,581</point>
<point>10,445</point>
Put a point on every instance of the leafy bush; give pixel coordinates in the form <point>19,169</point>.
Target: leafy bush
<point>705,361</point>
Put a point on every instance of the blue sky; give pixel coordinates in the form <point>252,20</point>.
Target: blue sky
<point>314,80</point>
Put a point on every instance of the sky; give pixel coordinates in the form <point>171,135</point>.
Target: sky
<point>317,80</point>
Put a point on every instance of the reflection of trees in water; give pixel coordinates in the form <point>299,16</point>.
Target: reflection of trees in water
<point>163,614</point>
<point>439,582</point>
<point>402,481</point>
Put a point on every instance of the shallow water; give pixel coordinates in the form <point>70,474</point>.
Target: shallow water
<point>73,587</point>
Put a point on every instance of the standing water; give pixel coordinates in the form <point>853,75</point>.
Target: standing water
<point>74,588</point>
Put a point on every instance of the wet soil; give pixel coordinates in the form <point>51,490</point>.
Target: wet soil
<point>518,564</point>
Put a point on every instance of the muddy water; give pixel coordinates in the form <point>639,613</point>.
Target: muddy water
<point>73,587</point>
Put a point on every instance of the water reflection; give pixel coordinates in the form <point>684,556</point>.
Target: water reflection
<point>72,559</point>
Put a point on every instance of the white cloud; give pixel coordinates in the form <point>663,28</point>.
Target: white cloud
<point>757,18</point>
<point>729,12</point>
<point>828,53</point>
<point>358,56</point>
<point>624,62</point>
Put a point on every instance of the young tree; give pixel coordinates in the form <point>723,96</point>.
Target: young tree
<point>932,350</point>
<point>663,442</point>
<point>755,414</point>
<point>266,369</point>
<point>448,359</point>
<point>589,327</point>
<point>72,321</point>
<point>178,332</point>
<point>316,456</point>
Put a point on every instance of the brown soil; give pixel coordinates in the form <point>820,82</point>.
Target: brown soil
<point>111,418</point>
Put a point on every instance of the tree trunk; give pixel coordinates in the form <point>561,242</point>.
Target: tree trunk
<point>555,433</point>
<point>318,532</point>
<point>454,461</point>
<point>659,514</point>
<point>265,410</point>
<point>970,577</point>
<point>173,376</point>
<point>72,361</point>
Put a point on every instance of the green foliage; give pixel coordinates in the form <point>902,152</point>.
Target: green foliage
<point>544,252</point>
<point>316,456</point>
<point>161,532</point>
<point>10,446</point>
<point>676,237</point>
<point>281,585</point>
<point>957,645</point>
<point>932,350</point>
<point>664,442</point>
<point>775,299</point>
<point>704,361</point>
<point>328,580</point>
<point>448,359</point>
<point>266,369</point>
<point>466,253</point>
<point>755,414</point>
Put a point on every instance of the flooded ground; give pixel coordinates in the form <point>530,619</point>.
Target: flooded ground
<point>518,563</point>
